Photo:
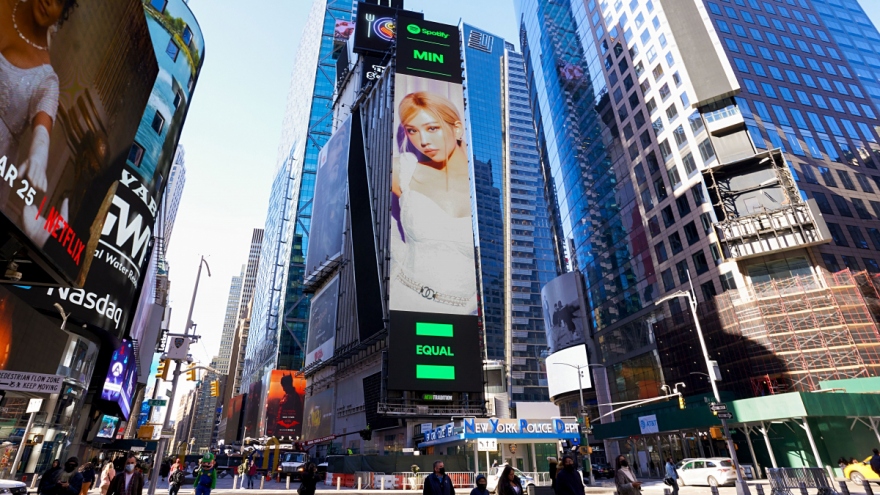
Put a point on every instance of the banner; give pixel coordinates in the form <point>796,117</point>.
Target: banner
<point>322,323</point>
<point>284,404</point>
<point>119,386</point>
<point>564,312</point>
<point>319,412</point>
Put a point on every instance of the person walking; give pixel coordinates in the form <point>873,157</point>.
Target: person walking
<point>70,481</point>
<point>88,474</point>
<point>875,462</point>
<point>625,479</point>
<point>129,481</point>
<point>252,474</point>
<point>568,480</point>
<point>509,483</point>
<point>438,483</point>
<point>481,489</point>
<point>671,476</point>
<point>49,479</point>
<point>205,476</point>
<point>309,481</point>
<point>176,478</point>
<point>107,475</point>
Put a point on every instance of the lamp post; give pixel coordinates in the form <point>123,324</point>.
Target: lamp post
<point>741,487</point>
<point>582,411</point>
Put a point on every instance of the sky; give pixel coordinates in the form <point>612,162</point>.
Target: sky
<point>231,139</point>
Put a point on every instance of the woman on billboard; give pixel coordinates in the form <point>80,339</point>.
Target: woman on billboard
<point>433,257</point>
<point>28,84</point>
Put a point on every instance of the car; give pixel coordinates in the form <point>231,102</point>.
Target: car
<point>13,487</point>
<point>293,464</point>
<point>861,471</point>
<point>602,471</point>
<point>711,471</point>
<point>495,472</point>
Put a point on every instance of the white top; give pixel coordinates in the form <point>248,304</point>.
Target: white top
<point>23,94</point>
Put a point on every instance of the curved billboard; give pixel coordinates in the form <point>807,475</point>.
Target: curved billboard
<point>565,317</point>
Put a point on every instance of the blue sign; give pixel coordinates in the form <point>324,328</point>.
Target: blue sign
<point>121,378</point>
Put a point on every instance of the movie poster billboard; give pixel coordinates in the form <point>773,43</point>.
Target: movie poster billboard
<point>564,311</point>
<point>319,411</point>
<point>433,282</point>
<point>328,205</point>
<point>284,404</point>
<point>233,413</point>
<point>253,412</point>
<point>322,323</point>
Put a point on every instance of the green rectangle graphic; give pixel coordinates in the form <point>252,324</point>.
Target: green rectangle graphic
<point>433,329</point>
<point>434,372</point>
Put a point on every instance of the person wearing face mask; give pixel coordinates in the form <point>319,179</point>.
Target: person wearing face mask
<point>481,486</point>
<point>49,480</point>
<point>129,481</point>
<point>625,478</point>
<point>568,480</point>
<point>70,480</point>
<point>438,483</point>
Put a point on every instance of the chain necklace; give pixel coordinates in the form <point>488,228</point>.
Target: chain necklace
<point>15,25</point>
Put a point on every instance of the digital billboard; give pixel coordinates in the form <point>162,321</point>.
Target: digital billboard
<point>73,95</point>
<point>284,404</point>
<point>322,323</point>
<point>433,284</point>
<point>374,28</point>
<point>328,205</point>
<point>319,412</point>
<point>563,368</point>
<point>565,322</point>
<point>108,426</point>
<point>234,415</point>
<point>28,340</point>
<point>121,378</point>
<point>253,412</point>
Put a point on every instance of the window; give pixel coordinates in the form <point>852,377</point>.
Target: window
<point>850,262</point>
<point>675,243</point>
<point>696,122</point>
<point>654,226</point>
<point>652,106</point>
<point>668,281</point>
<point>674,177</point>
<point>172,50</point>
<point>768,90</point>
<point>187,35</point>
<point>874,234</point>
<point>846,180</point>
<point>671,112</point>
<point>680,136</point>
<point>842,206</point>
<point>136,154</point>
<point>728,281</point>
<point>668,216</point>
<point>178,99</point>
<point>657,72</point>
<point>830,263</point>
<point>808,173</point>
<point>706,220</point>
<point>706,150</point>
<point>855,234</point>
<point>681,268</point>
<point>665,150</point>
<point>708,289</point>
<point>691,233</point>
<point>689,165</point>
<point>664,92</point>
<point>700,263</point>
<point>698,194</point>
<point>660,251</point>
<point>751,87</point>
<point>684,207</point>
<point>158,123</point>
<point>871,265</point>
<point>159,5</point>
<point>837,235</point>
<point>822,202</point>
<point>864,182</point>
<point>827,177</point>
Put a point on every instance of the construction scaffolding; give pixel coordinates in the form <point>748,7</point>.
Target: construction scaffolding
<point>811,329</point>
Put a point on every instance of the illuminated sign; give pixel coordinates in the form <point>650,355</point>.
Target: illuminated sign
<point>521,428</point>
<point>428,49</point>
<point>121,378</point>
<point>375,28</point>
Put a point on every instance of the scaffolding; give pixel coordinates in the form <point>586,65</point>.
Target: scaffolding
<point>815,328</point>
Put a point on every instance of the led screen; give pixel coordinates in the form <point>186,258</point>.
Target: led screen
<point>284,404</point>
<point>564,312</point>
<point>322,323</point>
<point>121,378</point>
<point>108,426</point>
<point>319,411</point>
<point>562,370</point>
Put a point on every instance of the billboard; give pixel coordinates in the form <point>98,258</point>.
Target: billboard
<point>322,323</point>
<point>433,284</point>
<point>284,404</point>
<point>319,412</point>
<point>563,368</point>
<point>70,111</point>
<point>375,28</point>
<point>119,386</point>
<point>328,206</point>
<point>253,412</point>
<point>28,340</point>
<point>108,426</point>
<point>233,413</point>
<point>564,311</point>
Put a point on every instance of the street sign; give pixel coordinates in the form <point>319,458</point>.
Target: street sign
<point>587,431</point>
<point>157,402</point>
<point>725,415</point>
<point>34,405</point>
<point>320,440</point>
<point>30,382</point>
<point>487,445</point>
<point>717,407</point>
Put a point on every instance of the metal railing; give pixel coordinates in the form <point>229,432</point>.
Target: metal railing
<point>784,480</point>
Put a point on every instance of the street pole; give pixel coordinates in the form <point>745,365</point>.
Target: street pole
<point>581,410</point>
<point>160,447</point>
<point>20,451</point>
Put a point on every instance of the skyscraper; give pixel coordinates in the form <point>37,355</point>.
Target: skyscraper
<point>705,143</point>
<point>230,322</point>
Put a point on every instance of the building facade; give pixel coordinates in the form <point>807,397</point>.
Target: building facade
<point>230,323</point>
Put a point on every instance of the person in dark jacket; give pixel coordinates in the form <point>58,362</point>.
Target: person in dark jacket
<point>49,479</point>
<point>437,483</point>
<point>88,474</point>
<point>554,463</point>
<point>481,486</point>
<point>70,481</point>
<point>509,483</point>
<point>875,462</point>
<point>568,480</point>
<point>128,481</point>
<point>309,482</point>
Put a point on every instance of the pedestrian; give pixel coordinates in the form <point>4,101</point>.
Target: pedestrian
<point>875,462</point>
<point>205,476</point>
<point>481,486</point>
<point>49,479</point>
<point>509,483</point>
<point>88,474</point>
<point>252,474</point>
<point>309,481</point>
<point>671,476</point>
<point>552,471</point>
<point>128,481</point>
<point>438,483</point>
<point>625,478</point>
<point>841,463</point>
<point>568,480</point>
<point>107,475</point>
<point>176,479</point>
<point>70,481</point>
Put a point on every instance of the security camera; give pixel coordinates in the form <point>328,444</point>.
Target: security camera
<point>12,272</point>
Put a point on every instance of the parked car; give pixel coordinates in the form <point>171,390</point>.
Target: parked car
<point>13,487</point>
<point>602,471</point>
<point>714,471</point>
<point>495,472</point>
<point>861,471</point>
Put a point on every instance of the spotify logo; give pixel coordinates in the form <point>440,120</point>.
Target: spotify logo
<point>412,28</point>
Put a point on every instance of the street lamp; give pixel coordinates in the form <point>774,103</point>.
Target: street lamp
<point>741,487</point>
<point>581,409</point>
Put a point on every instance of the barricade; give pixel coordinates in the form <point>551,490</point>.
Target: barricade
<point>787,481</point>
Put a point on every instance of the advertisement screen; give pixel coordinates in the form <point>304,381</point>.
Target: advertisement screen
<point>374,28</point>
<point>562,370</point>
<point>284,404</point>
<point>121,378</point>
<point>28,340</point>
<point>70,110</point>
<point>319,415</point>
<point>233,413</point>
<point>322,323</point>
<point>328,206</point>
<point>564,312</point>
<point>253,412</point>
<point>108,426</point>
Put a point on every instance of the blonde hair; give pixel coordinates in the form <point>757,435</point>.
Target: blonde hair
<point>436,105</point>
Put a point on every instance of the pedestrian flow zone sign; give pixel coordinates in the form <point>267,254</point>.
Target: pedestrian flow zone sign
<point>41,383</point>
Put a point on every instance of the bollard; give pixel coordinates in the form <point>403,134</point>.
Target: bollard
<point>234,480</point>
<point>338,482</point>
<point>262,480</point>
<point>714,490</point>
<point>760,489</point>
<point>844,489</point>
<point>359,483</point>
<point>288,482</point>
<point>667,491</point>
<point>867,487</point>
<point>803,488</point>
<point>382,482</point>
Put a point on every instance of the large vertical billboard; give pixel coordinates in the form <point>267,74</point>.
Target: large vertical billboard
<point>72,93</point>
<point>432,288</point>
<point>234,415</point>
<point>119,386</point>
<point>328,205</point>
<point>319,413</point>
<point>565,313</point>
<point>322,323</point>
<point>284,404</point>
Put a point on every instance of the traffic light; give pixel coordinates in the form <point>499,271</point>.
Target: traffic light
<point>215,388</point>
<point>681,404</point>
<point>191,373</point>
<point>162,373</point>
